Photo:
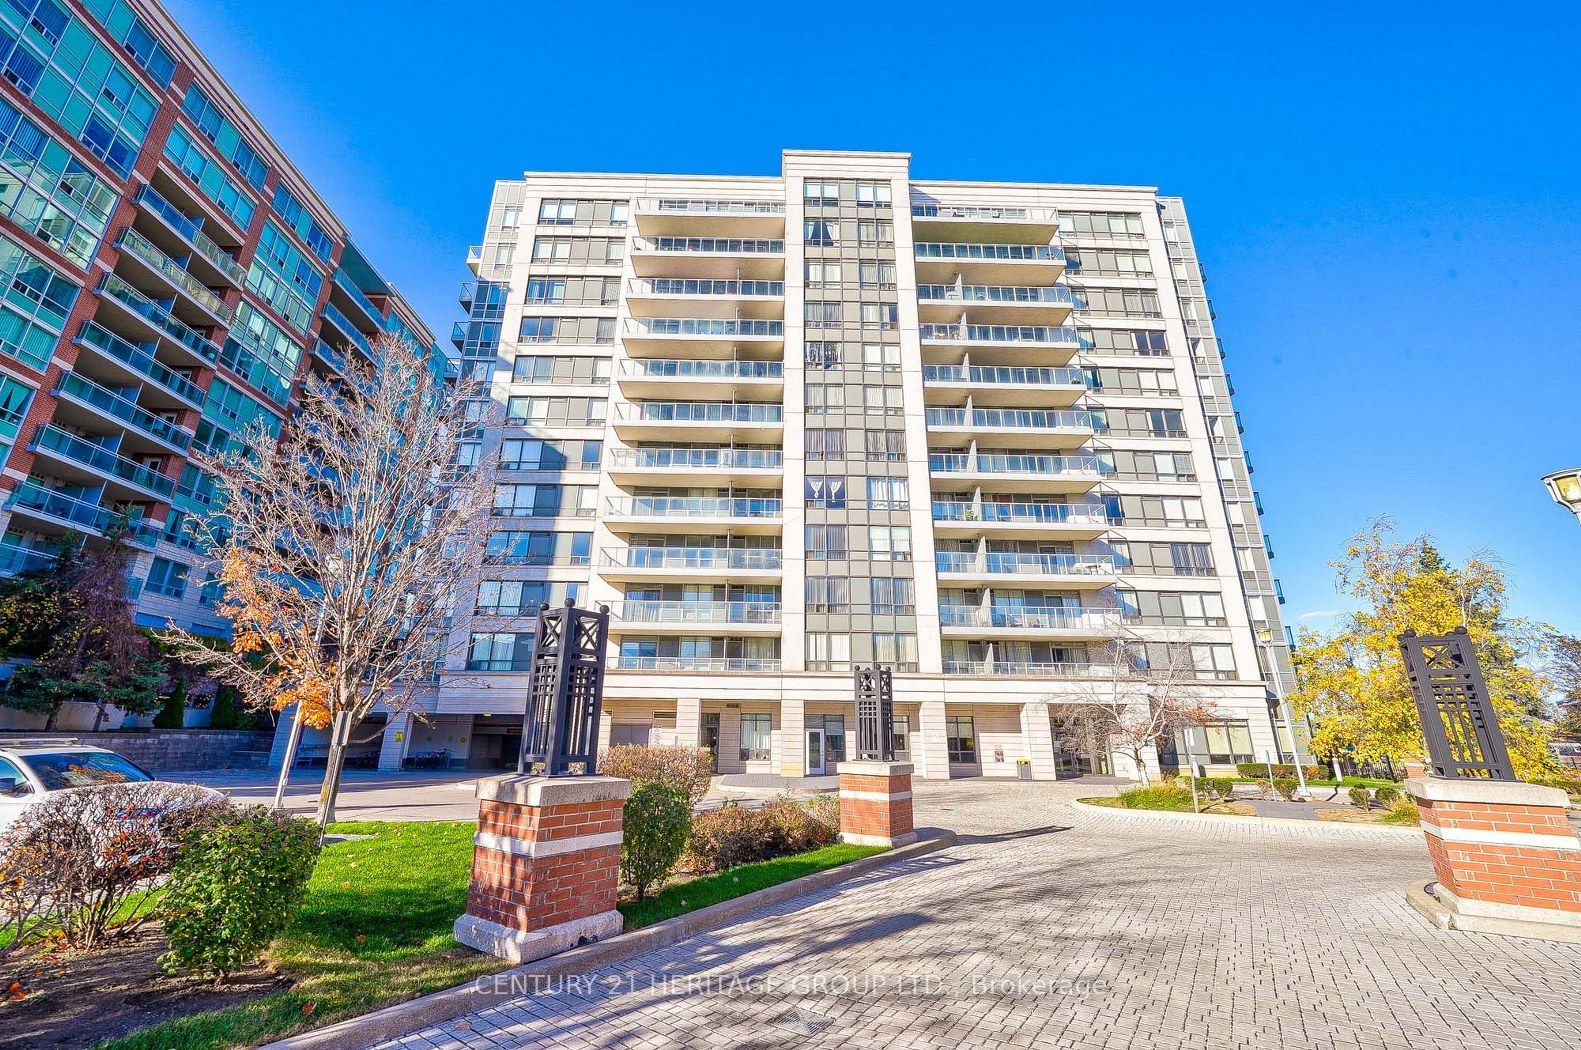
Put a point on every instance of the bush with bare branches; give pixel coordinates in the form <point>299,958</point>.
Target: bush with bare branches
<point>688,769</point>
<point>91,857</point>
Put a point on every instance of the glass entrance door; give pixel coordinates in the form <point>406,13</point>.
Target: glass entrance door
<point>815,757</point>
<point>711,737</point>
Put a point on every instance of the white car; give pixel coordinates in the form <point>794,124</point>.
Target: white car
<point>31,768</point>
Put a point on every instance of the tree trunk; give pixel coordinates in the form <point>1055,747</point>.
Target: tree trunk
<point>340,734</point>
<point>54,717</point>
<point>98,715</point>
<point>1141,766</point>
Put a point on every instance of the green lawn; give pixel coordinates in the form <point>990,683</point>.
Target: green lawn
<point>375,929</point>
<point>700,893</point>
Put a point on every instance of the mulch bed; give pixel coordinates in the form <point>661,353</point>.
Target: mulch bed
<point>58,998</point>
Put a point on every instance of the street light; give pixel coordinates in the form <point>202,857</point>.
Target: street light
<point>1565,487</point>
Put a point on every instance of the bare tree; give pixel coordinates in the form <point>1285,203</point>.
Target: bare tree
<point>1138,692</point>
<point>339,546</point>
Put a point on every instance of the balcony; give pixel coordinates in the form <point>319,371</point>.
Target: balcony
<point>685,563</point>
<point>942,262</point>
<point>1004,518</point>
<point>727,380</point>
<point>156,319</point>
<point>705,297</point>
<point>1024,344</point>
<point>709,420</point>
<point>695,514</point>
<point>72,514</point>
<point>1027,621</point>
<point>1026,427</point>
<point>146,257</point>
<point>987,303</point>
<point>644,336</point>
<point>694,663</point>
<point>1020,669</point>
<point>16,559</point>
<point>1070,570</point>
<point>474,258</point>
<point>361,304</point>
<point>344,326</point>
<point>210,257</point>
<point>704,466</point>
<point>1017,471</point>
<point>753,258</point>
<point>684,616</point>
<point>1002,384</point>
<point>136,364</point>
<point>744,218</point>
<point>79,456</point>
<point>984,222</point>
<point>331,357</point>
<point>101,401</point>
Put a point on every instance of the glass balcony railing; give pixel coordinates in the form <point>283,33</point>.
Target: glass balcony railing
<point>1052,617</point>
<point>88,392</point>
<point>643,611</point>
<point>968,211</point>
<point>721,327</point>
<point>755,558</point>
<point>1018,463</point>
<point>704,458</point>
<point>713,245</point>
<point>1022,513</point>
<point>158,315</point>
<point>625,662</point>
<point>16,559</point>
<point>30,495</point>
<point>349,330</point>
<point>1022,418</point>
<point>330,356</point>
<point>136,244</point>
<point>695,507</point>
<point>704,286</point>
<point>52,439</point>
<point>192,232</point>
<point>1061,335</point>
<point>1014,295</point>
<point>714,207</point>
<point>1007,375</point>
<point>357,296</point>
<point>700,412</point>
<point>1021,669</point>
<point>977,252</point>
<point>692,368</point>
<point>139,360</point>
<point>1012,563</point>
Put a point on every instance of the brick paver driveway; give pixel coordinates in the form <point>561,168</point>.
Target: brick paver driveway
<point>1049,927</point>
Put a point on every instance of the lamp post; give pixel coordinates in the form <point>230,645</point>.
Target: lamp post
<point>1565,487</point>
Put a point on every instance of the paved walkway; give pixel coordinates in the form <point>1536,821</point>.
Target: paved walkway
<point>1050,927</point>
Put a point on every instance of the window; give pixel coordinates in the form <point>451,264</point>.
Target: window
<point>821,192</point>
<point>884,444</point>
<point>530,547</point>
<point>898,651</point>
<point>883,316</point>
<point>556,411</point>
<point>876,275</point>
<point>889,542</point>
<point>1109,262</point>
<point>892,597</point>
<point>823,274</point>
<point>827,543</point>
<point>821,233</point>
<point>1173,608</point>
<point>1219,743</point>
<point>499,651</point>
<point>566,371</point>
<point>900,731</point>
<point>1117,302</point>
<point>1126,342</point>
<point>828,652</point>
<point>755,731</point>
<point>596,330</point>
<point>888,494</point>
<point>543,454</point>
<point>822,314</point>
<point>1127,225</point>
<point>822,397</point>
<point>879,358</point>
<point>828,594</point>
<point>868,232</point>
<point>826,492</point>
<point>167,578</point>
<point>883,400</point>
<point>872,194</point>
<point>142,46</point>
<point>825,443</point>
<point>960,739</point>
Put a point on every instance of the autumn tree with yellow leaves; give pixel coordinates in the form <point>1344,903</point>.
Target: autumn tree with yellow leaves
<point>339,545</point>
<point>1351,682</point>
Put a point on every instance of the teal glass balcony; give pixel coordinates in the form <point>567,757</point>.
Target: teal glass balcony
<point>99,460</point>
<point>87,392</point>
<point>138,360</point>
<point>173,273</point>
<point>159,317</point>
<point>191,231</point>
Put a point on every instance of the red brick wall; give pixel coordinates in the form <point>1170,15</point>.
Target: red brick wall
<point>1500,873</point>
<point>531,893</point>
<point>889,818</point>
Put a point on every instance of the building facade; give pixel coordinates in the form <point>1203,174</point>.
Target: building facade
<point>980,433</point>
<point>170,279</point>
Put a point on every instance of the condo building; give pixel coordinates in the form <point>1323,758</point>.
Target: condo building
<point>169,279</point>
<point>980,433</point>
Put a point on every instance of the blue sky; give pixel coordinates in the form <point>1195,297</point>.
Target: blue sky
<point>1385,201</point>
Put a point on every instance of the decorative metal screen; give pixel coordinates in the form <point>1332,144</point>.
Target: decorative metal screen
<point>875,714</point>
<point>565,693</point>
<point>1463,736</point>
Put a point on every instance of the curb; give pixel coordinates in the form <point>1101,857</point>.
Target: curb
<point>356,1033</point>
<point>1230,819</point>
<point>1420,896</point>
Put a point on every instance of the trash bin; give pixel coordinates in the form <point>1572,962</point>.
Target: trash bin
<point>1023,769</point>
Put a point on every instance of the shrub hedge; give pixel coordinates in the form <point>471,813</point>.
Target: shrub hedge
<point>657,817</point>
<point>688,769</point>
<point>1259,770</point>
<point>732,835</point>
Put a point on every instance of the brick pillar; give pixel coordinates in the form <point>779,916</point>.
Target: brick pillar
<point>875,803</point>
<point>1504,854</point>
<point>545,864</point>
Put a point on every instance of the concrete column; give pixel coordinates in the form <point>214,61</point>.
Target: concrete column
<point>929,751</point>
<point>793,738</point>
<point>397,739</point>
<point>875,804</point>
<point>688,722</point>
<point>545,865</point>
<point>282,736</point>
<point>1037,738</point>
<point>1507,859</point>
